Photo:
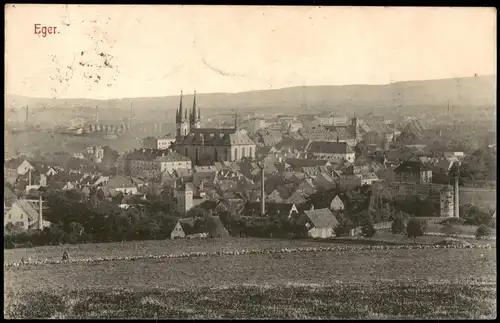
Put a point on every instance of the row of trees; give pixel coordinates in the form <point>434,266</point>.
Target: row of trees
<point>79,219</point>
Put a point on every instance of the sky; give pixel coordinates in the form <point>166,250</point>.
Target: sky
<point>144,51</point>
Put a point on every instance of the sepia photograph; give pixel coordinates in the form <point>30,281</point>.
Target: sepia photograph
<point>249,162</point>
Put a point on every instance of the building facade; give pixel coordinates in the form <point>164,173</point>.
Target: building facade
<point>158,142</point>
<point>154,161</point>
<point>337,152</point>
<point>184,197</point>
<point>204,146</point>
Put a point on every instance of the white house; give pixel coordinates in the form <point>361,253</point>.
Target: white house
<point>337,152</point>
<point>23,214</point>
<point>320,223</point>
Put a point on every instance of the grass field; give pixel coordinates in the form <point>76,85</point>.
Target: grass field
<point>390,300</point>
<point>158,247</point>
<point>153,247</point>
<point>344,284</point>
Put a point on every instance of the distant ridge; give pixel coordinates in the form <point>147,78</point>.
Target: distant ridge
<point>467,91</point>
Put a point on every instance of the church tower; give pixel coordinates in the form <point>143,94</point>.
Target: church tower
<point>182,122</point>
<point>195,118</point>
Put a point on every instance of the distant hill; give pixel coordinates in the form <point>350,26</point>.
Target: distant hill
<point>470,91</point>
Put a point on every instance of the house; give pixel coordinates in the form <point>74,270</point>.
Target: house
<point>298,197</point>
<point>350,181</point>
<point>274,197</point>
<point>307,187</point>
<point>23,213</point>
<point>414,171</point>
<point>320,223</point>
<point>172,161</point>
<point>296,164</point>
<point>324,182</point>
<point>158,142</point>
<point>178,231</point>
<point>292,146</point>
<point>337,152</point>
<point>211,226</point>
<point>19,166</point>
<point>124,184</point>
<point>337,204</point>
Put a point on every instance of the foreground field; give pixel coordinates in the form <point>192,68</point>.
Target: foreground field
<point>437,283</point>
<point>158,247</point>
<point>390,299</point>
<point>151,247</point>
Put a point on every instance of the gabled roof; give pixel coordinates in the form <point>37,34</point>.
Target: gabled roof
<point>205,169</point>
<point>328,147</point>
<point>14,163</point>
<point>119,181</point>
<point>297,198</point>
<point>28,208</point>
<point>293,144</point>
<point>183,172</point>
<point>297,163</point>
<point>322,218</point>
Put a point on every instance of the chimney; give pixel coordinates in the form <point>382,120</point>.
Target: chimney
<point>40,216</point>
<point>457,201</point>
<point>262,192</point>
<point>312,207</point>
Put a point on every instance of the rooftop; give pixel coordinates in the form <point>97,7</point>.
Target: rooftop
<point>327,147</point>
<point>322,218</point>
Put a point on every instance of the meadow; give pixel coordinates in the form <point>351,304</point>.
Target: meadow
<point>436,283</point>
<point>158,247</point>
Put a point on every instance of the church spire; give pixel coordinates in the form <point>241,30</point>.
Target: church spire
<point>193,112</point>
<point>180,108</point>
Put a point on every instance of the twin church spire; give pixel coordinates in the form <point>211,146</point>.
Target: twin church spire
<point>183,115</point>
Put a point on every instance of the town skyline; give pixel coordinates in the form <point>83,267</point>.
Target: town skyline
<point>318,44</point>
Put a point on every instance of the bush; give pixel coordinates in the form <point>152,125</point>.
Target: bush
<point>482,231</point>
<point>416,228</point>
<point>368,230</point>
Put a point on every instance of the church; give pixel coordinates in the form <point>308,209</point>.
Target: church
<point>208,145</point>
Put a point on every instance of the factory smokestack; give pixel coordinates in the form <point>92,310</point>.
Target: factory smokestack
<point>40,216</point>
<point>262,192</point>
<point>457,200</point>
